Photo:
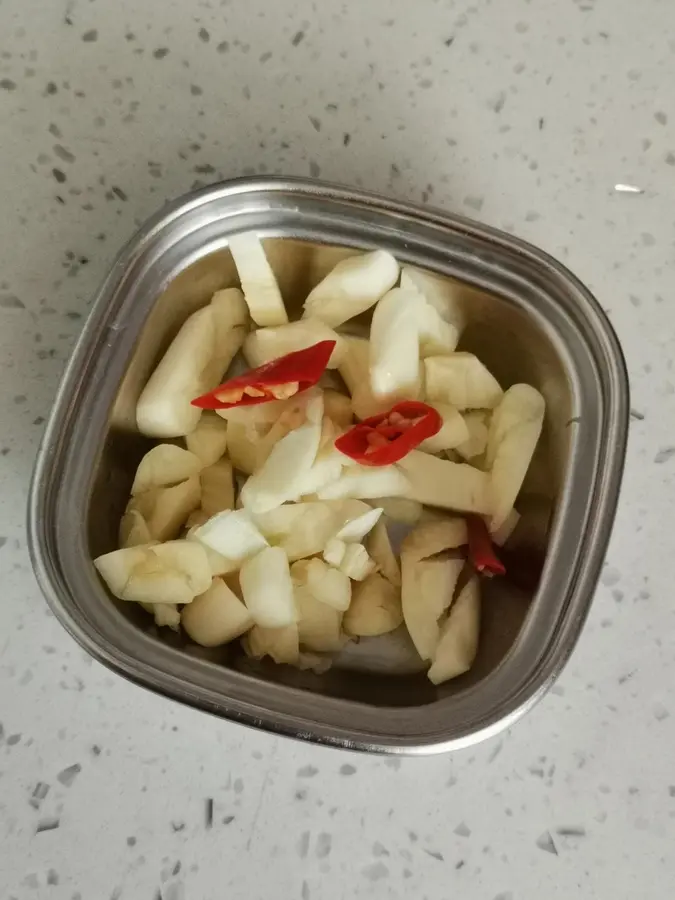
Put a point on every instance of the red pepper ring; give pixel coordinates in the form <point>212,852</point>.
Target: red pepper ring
<point>275,380</point>
<point>481,549</point>
<point>384,439</point>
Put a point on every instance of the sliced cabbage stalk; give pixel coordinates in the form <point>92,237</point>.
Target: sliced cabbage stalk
<point>355,563</point>
<point>241,448</point>
<point>209,439</point>
<point>281,644</point>
<point>313,662</point>
<point>352,287</point>
<point>375,608</point>
<point>506,529</point>
<point>338,408</point>
<point>355,372</point>
<point>218,563</point>
<point>356,529</point>
<point>514,431</point>
<point>436,337</point>
<point>436,536</point>
<point>394,346</point>
<point>196,518</point>
<point>258,281</point>
<point>462,380</point>
<point>174,572</point>
<point>267,588</point>
<point>194,363</point>
<point>266,344</point>
<point>318,624</point>
<point>427,590</point>
<point>442,294</point>
<point>165,614</point>
<point>381,552</point>
<point>368,481</point>
<point>164,466</point>
<point>133,529</point>
<point>233,535</point>
<point>453,431</point>
<point>217,487</point>
<point>439,482</point>
<point>334,552</point>
<point>216,617</point>
<point>301,529</point>
<point>458,643</point>
<point>280,477</point>
<point>398,509</point>
<point>326,584</point>
<point>166,510</point>
<point>476,441</point>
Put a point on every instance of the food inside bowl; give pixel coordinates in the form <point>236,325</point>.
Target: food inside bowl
<point>271,508</point>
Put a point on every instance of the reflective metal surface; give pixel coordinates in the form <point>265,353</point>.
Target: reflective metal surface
<point>529,319</point>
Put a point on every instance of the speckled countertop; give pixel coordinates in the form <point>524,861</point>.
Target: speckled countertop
<point>525,115</point>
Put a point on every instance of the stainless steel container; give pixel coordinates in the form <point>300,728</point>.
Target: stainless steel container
<point>529,318</point>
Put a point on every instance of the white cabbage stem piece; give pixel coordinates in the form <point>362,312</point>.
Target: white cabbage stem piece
<point>195,363</point>
<point>394,347</point>
<point>267,588</point>
<point>164,466</point>
<point>209,439</point>
<point>352,287</point>
<point>258,281</point>
<point>514,432</point>
<point>266,344</point>
<point>458,643</point>
<point>216,617</point>
<point>375,608</point>
<point>439,482</point>
<point>461,380</point>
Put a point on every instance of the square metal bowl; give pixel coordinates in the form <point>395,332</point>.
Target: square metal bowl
<point>530,320</point>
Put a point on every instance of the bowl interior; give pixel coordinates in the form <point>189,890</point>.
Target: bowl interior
<point>378,671</point>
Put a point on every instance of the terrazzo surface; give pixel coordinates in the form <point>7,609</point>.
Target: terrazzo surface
<point>523,115</point>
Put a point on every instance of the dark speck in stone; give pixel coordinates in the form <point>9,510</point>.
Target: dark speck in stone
<point>661,117</point>
<point>160,52</point>
<point>223,47</point>
<point>63,153</point>
<point>96,750</point>
<point>303,845</point>
<point>266,56</point>
<point>52,877</point>
<point>307,772</point>
<point>664,454</point>
<point>460,864</point>
<point>463,830</point>
<point>380,850</point>
<point>204,35</point>
<point>375,871</point>
<point>304,891</point>
<point>6,84</point>
<point>59,175</point>
<point>671,790</point>
<point>670,159</point>
<point>131,841</point>
<point>204,169</point>
<point>9,301</point>
<point>208,815</point>
<point>176,869</point>
<point>118,192</point>
<point>316,123</point>
<point>497,103</point>
<point>449,41</point>
<point>571,832</point>
<point>637,415</point>
<point>298,38</point>
<point>300,794</point>
<point>51,87</point>
<point>324,843</point>
<point>67,776</point>
<point>435,854</point>
<point>314,169</point>
<point>177,826</point>
<point>39,793</point>
<point>195,90</point>
<point>228,820</point>
<point>90,36</point>
<point>49,824</point>
<point>346,139</point>
<point>347,769</point>
<point>54,130</point>
<point>541,124</point>
<point>504,895</point>
<point>545,842</point>
<point>238,786</point>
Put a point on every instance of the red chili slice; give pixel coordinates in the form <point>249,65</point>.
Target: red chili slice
<point>481,549</point>
<point>384,439</point>
<point>275,380</point>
